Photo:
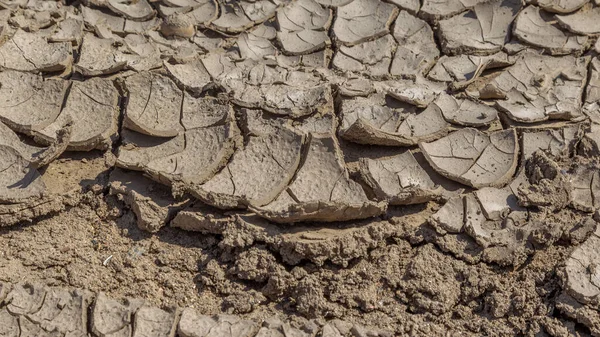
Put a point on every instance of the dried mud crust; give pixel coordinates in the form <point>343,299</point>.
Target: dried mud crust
<point>285,167</point>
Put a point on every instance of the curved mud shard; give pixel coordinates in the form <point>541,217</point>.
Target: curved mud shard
<point>321,190</point>
<point>475,158</point>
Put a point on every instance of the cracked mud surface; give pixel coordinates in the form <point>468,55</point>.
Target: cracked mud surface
<point>299,168</point>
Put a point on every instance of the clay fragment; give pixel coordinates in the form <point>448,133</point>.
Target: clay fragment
<point>363,20</point>
<point>139,10</point>
<point>538,29</point>
<point>465,112</point>
<point>417,50</point>
<point>70,30</point>
<point>537,88</point>
<point>439,9</point>
<point>19,180</point>
<point>474,158</point>
<point>28,102</point>
<point>399,179</point>
<point>584,21</point>
<point>465,69</point>
<point>303,27</point>
<point>32,52</point>
<point>450,217</point>
<point>113,318</point>
<point>372,121</point>
<point>98,57</point>
<point>581,277</point>
<point>192,75</point>
<point>138,150</point>
<point>321,190</point>
<point>334,3</point>
<point>92,106</point>
<point>150,321</point>
<point>154,104</point>
<point>372,58</point>
<point>256,44</point>
<point>236,16</point>
<point>483,30</point>
<point>100,20</point>
<point>585,185</point>
<point>62,312</point>
<point>193,324</point>
<point>560,6</point>
<point>256,173</point>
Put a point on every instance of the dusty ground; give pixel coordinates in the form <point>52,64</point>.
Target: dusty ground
<point>428,168</point>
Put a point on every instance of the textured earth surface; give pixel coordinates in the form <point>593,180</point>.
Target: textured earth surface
<point>299,168</point>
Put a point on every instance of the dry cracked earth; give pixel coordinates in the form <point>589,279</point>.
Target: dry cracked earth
<point>299,168</point>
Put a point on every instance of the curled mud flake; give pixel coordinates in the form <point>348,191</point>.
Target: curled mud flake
<point>321,190</point>
<point>450,218</point>
<point>140,53</point>
<point>483,30</point>
<point>465,69</point>
<point>141,27</point>
<point>26,298</point>
<point>192,324</point>
<point>96,19</point>
<point>19,180</point>
<point>256,44</point>
<point>353,87</point>
<point>334,3</point>
<point>440,9</point>
<point>464,111</point>
<point>70,30</point>
<point>139,10</point>
<point>12,4</point>
<point>32,52</point>
<point>192,76</point>
<point>152,204</point>
<point>363,20</point>
<point>585,185</point>
<point>590,143</point>
<point>154,104</point>
<point>236,16</point>
<point>417,50</point>
<point>99,57</point>
<point>206,152</point>
<point>62,312</point>
<point>538,29</point>
<point>584,21</point>
<point>31,21</point>
<point>113,318</point>
<point>92,106</point>
<point>561,6</point>
<point>256,173</point>
<point>400,180</point>
<point>303,27</point>
<point>372,58</point>
<point>150,321</point>
<point>411,6</point>
<point>299,95</point>
<point>371,121</point>
<point>419,92</point>
<point>28,102</point>
<point>474,158</point>
<point>557,142</point>
<point>537,88</point>
<point>138,150</point>
<point>581,276</point>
